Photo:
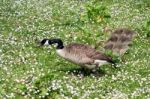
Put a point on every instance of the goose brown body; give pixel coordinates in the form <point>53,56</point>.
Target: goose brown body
<point>83,55</point>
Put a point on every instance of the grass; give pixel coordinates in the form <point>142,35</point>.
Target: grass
<point>31,72</point>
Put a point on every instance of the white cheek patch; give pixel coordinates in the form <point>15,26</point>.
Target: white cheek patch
<point>100,62</point>
<point>46,43</point>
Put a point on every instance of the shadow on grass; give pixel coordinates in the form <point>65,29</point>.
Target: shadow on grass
<point>84,72</point>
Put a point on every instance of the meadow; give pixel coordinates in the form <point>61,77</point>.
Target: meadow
<point>30,72</point>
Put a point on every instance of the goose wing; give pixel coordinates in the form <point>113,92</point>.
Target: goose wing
<point>100,56</point>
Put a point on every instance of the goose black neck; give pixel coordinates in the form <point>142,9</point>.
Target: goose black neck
<point>58,42</point>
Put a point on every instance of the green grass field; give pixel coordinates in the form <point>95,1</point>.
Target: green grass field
<point>27,71</point>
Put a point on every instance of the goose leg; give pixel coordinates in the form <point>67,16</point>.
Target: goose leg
<point>95,71</point>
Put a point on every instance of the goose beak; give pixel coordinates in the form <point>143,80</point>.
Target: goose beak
<point>38,43</point>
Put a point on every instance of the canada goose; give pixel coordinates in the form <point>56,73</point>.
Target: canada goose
<point>81,54</point>
<point>119,41</point>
